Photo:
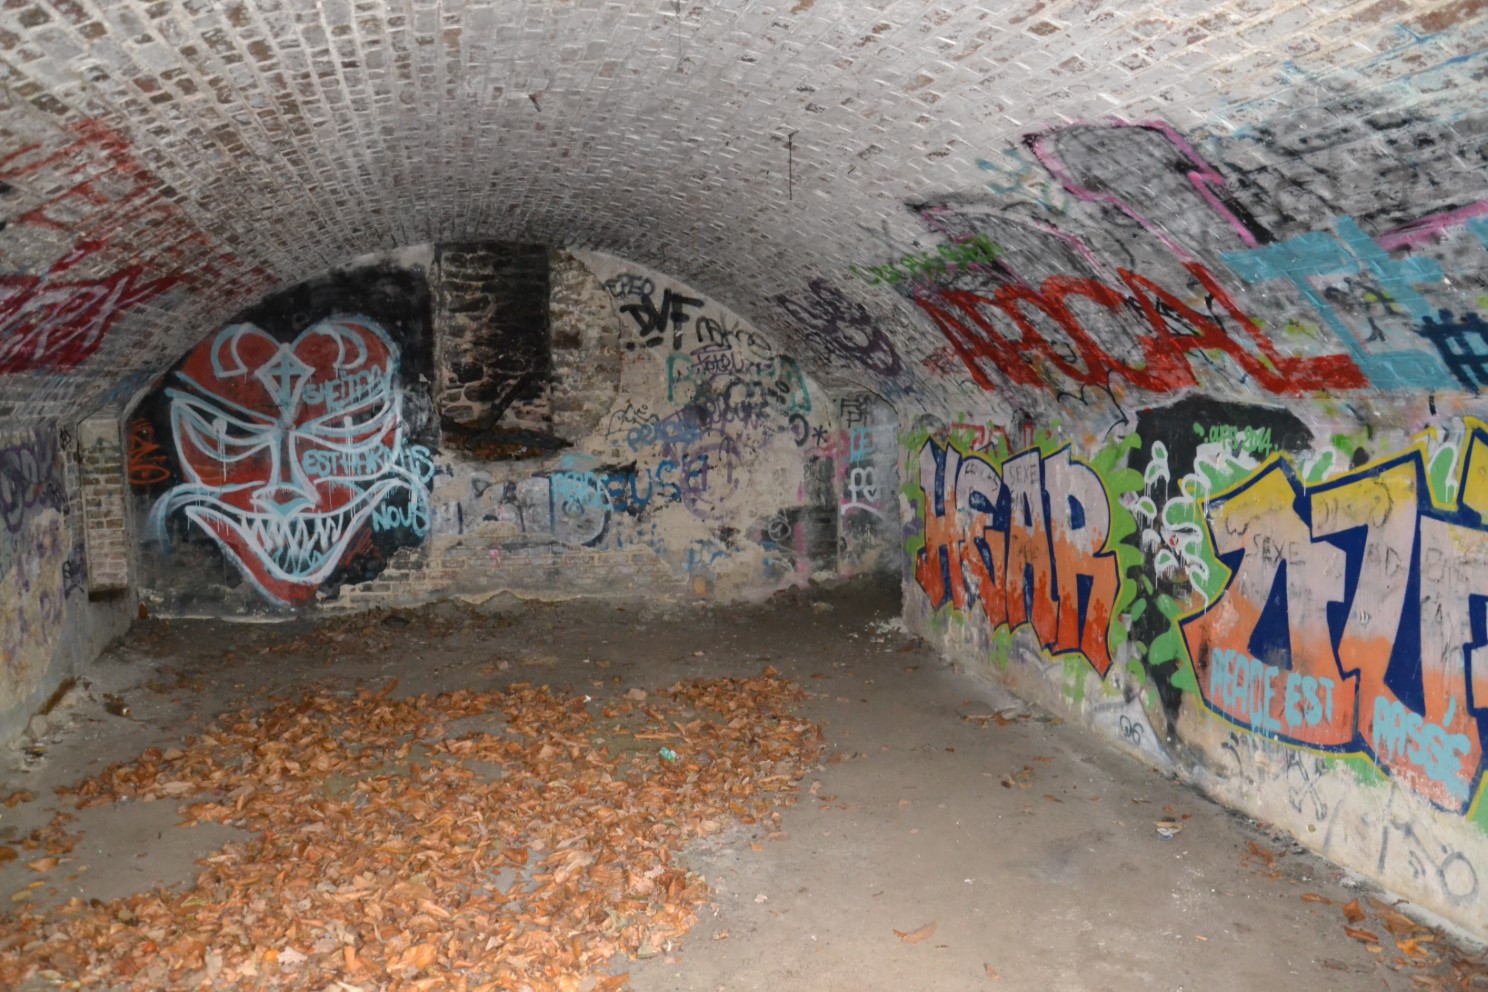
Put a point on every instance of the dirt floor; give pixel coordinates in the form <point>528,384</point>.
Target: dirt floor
<point>628,825</point>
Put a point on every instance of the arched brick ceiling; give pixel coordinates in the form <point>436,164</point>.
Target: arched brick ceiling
<point>176,159</point>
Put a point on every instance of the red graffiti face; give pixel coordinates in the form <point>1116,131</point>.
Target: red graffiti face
<point>288,448</point>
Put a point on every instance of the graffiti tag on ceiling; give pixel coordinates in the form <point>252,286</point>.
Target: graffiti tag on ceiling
<point>57,319</point>
<point>1178,331</point>
<point>1083,325</point>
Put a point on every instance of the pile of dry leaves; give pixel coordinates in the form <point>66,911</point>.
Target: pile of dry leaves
<point>392,853</point>
<point>1408,945</point>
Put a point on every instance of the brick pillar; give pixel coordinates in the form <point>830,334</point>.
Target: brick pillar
<point>102,482</point>
<point>586,347</point>
<point>493,353</point>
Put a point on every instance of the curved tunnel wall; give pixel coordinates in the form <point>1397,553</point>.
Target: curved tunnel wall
<point>1179,309</point>
<point>474,418</point>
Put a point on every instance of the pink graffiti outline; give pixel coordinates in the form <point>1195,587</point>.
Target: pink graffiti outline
<point>1203,176</point>
<point>1414,232</point>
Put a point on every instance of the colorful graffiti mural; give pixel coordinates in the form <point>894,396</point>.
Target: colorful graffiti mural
<point>1134,275</point>
<point>289,450</point>
<point>1340,614</point>
<point>1349,621</point>
<point>1024,537</point>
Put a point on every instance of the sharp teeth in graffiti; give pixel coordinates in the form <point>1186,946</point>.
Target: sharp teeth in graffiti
<point>291,449</point>
<point>296,547</point>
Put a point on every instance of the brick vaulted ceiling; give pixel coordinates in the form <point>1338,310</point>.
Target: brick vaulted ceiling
<point>166,163</point>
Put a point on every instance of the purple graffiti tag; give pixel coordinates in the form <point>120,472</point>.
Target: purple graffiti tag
<point>29,479</point>
<point>845,327</point>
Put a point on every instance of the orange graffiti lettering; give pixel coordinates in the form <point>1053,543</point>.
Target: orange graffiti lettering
<point>147,461</point>
<point>1025,539</point>
<point>1350,620</point>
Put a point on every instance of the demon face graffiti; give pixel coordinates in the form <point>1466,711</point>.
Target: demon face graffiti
<point>289,449</point>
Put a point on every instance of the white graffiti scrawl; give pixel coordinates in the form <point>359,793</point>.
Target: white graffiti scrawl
<point>290,450</point>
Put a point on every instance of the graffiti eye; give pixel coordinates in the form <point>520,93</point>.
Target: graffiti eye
<point>217,434</point>
<point>364,416</point>
<point>227,440</point>
<point>354,422</point>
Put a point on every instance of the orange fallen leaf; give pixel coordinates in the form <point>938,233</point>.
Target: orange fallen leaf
<point>1411,946</point>
<point>268,766</point>
<point>1353,912</point>
<point>1396,922</point>
<point>434,909</point>
<point>992,973</point>
<point>916,936</point>
<point>1363,936</point>
<point>43,864</point>
<point>1314,897</point>
<point>417,957</point>
<point>7,854</point>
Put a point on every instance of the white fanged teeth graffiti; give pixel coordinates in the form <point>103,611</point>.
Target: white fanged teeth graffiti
<point>299,548</point>
<point>290,448</point>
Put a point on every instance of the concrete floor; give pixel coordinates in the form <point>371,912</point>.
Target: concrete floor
<point>1016,852</point>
